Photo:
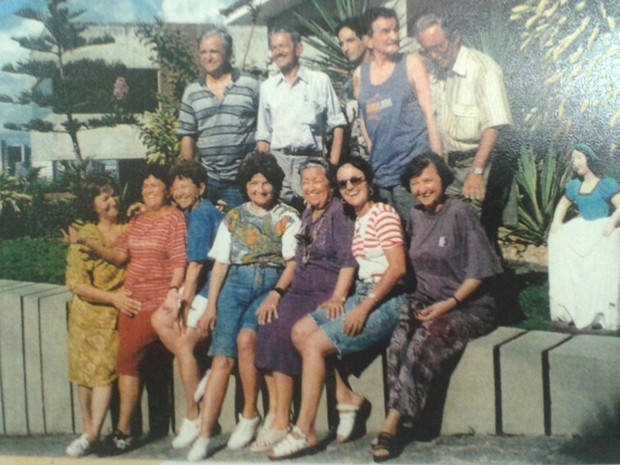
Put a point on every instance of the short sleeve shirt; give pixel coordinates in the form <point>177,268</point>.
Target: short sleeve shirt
<point>596,204</point>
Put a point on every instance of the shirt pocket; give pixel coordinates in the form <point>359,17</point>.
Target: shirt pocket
<point>466,122</point>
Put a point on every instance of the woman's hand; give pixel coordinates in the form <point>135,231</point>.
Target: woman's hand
<point>135,209</point>
<point>124,303</point>
<point>171,303</point>
<point>354,321</point>
<point>334,307</point>
<point>609,228</point>
<point>268,309</point>
<point>70,236</point>
<point>436,310</point>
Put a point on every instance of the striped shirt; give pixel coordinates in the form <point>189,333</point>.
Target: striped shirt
<point>223,130</point>
<point>378,230</point>
<point>156,246</point>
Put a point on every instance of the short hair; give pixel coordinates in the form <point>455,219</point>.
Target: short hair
<point>90,188</point>
<point>226,38</point>
<point>423,161</point>
<point>189,169</point>
<point>372,14</point>
<point>354,23</point>
<point>328,168</point>
<point>260,163</point>
<point>432,19</point>
<point>292,33</point>
<point>160,172</point>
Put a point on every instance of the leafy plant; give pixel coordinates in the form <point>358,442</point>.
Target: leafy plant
<point>35,260</point>
<point>159,135</point>
<point>540,184</point>
<point>11,193</point>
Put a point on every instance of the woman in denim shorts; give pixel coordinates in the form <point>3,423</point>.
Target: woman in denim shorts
<point>363,320</point>
<point>254,253</point>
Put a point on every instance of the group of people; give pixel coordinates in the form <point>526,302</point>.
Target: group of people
<point>309,263</point>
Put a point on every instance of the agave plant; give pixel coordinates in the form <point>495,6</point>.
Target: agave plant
<point>540,184</point>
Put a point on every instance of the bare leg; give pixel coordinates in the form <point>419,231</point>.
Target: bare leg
<point>391,422</point>
<point>215,391</point>
<point>85,398</point>
<point>100,402</point>
<point>129,388</point>
<point>272,394</point>
<point>284,396</point>
<point>246,343</point>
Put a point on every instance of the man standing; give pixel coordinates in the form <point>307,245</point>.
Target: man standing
<point>297,107</point>
<point>394,99</point>
<point>470,102</point>
<point>352,39</point>
<point>218,117</point>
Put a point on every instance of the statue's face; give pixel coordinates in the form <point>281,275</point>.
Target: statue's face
<point>580,163</point>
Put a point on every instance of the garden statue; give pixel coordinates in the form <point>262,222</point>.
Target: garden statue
<point>584,253</point>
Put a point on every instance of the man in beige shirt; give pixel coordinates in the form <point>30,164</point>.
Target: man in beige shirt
<point>470,104</point>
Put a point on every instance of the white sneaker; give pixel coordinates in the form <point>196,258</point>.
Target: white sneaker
<point>244,432</point>
<point>200,389</point>
<point>79,447</point>
<point>199,449</point>
<point>188,432</point>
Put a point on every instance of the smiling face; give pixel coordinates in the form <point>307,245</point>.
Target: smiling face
<point>438,48</point>
<point>284,53</point>
<point>315,187</point>
<point>211,52</point>
<point>580,163</point>
<point>154,193</point>
<point>354,188</point>
<point>260,191</point>
<point>185,193</point>
<point>385,37</point>
<point>353,48</point>
<point>427,188</point>
<point>105,204</point>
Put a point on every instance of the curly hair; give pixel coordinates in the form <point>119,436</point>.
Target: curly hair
<point>90,188</point>
<point>189,169</point>
<point>160,172</point>
<point>420,163</point>
<point>260,163</point>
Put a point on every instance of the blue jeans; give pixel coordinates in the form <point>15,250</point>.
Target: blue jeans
<point>243,291</point>
<point>378,327</point>
<point>228,191</point>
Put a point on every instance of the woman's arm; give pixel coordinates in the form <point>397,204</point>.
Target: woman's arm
<point>464,291</point>
<point>218,275</point>
<point>121,300</point>
<point>559,214</point>
<point>268,309</point>
<point>334,305</point>
<point>354,320</point>
<point>614,219</point>
<point>116,256</point>
<point>172,299</point>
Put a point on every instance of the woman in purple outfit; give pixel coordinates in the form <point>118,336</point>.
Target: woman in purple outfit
<point>325,270</point>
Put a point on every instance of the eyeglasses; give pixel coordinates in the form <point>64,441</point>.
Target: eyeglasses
<point>354,180</point>
<point>437,49</point>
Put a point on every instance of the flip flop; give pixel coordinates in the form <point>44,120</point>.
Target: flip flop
<point>352,420</point>
<point>384,447</point>
<point>294,445</point>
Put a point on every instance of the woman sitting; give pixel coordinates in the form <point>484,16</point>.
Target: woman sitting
<point>253,252</point>
<point>367,317</point>
<point>452,260</point>
<point>325,269</point>
<point>177,329</point>
<point>98,296</point>
<point>584,277</point>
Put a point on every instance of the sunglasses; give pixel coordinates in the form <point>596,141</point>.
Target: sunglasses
<point>354,180</point>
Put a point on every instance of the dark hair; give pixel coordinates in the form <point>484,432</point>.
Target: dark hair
<point>432,19</point>
<point>90,188</point>
<point>364,166</point>
<point>189,169</point>
<point>594,162</point>
<point>372,14</point>
<point>260,163</point>
<point>226,38</point>
<point>160,172</point>
<point>354,23</point>
<point>292,33</point>
<point>328,168</point>
<point>420,163</point>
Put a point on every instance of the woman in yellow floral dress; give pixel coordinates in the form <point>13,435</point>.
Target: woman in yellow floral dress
<point>97,298</point>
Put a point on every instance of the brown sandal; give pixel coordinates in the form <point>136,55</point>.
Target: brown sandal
<point>384,447</point>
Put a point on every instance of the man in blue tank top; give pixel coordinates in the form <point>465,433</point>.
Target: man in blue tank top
<point>394,97</point>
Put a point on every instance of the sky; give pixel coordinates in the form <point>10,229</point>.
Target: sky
<point>115,11</point>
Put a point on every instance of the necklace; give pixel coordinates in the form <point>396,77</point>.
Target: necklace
<point>308,237</point>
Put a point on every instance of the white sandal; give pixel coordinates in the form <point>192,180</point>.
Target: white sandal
<point>267,438</point>
<point>352,420</point>
<point>294,445</point>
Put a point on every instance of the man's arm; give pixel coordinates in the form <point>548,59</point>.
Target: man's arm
<point>336,150</point>
<point>356,94</point>
<point>473,187</point>
<point>186,148</point>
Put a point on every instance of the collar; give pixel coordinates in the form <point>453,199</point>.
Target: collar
<point>460,64</point>
<point>302,75</point>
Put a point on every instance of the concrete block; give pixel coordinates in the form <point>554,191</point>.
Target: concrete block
<point>470,405</point>
<point>584,381</point>
<point>523,382</point>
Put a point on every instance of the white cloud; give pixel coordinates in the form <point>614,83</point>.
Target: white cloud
<point>193,11</point>
<point>12,26</point>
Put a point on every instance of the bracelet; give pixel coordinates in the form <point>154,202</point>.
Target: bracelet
<point>280,291</point>
<point>373,297</point>
<point>458,302</point>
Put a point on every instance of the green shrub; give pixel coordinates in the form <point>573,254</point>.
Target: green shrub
<point>36,260</point>
<point>534,303</point>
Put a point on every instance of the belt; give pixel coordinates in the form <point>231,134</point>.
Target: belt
<point>301,151</point>
<point>458,155</point>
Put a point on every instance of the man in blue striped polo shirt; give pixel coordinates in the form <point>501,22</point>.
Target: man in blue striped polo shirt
<point>218,117</point>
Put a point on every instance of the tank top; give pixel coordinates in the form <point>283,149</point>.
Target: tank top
<point>394,122</point>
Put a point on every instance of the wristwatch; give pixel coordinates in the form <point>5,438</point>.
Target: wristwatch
<point>477,170</point>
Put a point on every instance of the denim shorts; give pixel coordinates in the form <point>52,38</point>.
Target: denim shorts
<point>379,325</point>
<point>243,291</point>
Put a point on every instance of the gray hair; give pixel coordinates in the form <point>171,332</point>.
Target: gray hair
<point>432,19</point>
<point>225,37</point>
<point>292,33</point>
<point>320,162</point>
